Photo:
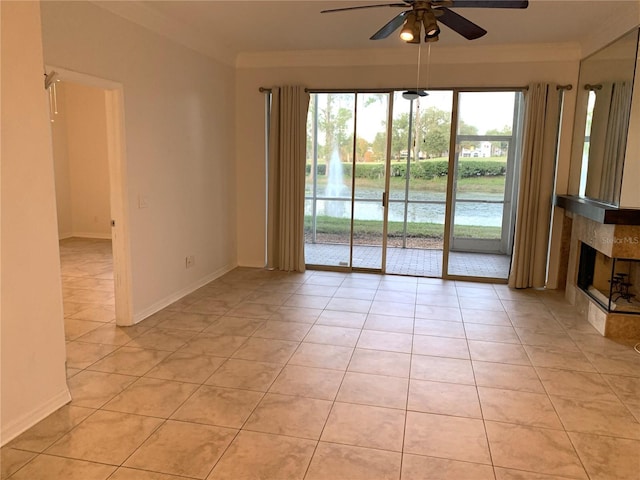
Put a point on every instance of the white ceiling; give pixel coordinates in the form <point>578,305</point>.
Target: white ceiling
<point>241,26</point>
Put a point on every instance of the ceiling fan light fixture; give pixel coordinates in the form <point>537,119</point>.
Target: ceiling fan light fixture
<point>411,28</point>
<point>431,28</point>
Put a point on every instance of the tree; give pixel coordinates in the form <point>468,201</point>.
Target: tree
<point>502,146</point>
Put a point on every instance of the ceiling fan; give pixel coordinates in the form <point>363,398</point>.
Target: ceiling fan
<point>429,13</point>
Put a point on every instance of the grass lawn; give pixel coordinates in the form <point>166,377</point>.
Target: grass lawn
<point>333,225</point>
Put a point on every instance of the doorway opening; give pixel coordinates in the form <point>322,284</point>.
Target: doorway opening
<point>422,187</point>
<point>87,132</point>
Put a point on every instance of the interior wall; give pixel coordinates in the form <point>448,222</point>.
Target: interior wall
<point>179,119</point>
<point>251,116</point>
<point>81,162</point>
<point>32,378</point>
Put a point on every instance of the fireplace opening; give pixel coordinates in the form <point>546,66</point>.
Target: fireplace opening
<point>612,282</point>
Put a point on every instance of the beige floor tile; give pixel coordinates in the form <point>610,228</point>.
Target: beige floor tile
<point>307,301</point>
<point>539,450</point>
<point>523,408</point>
<point>245,374</point>
<point>184,366</point>
<point>345,462</point>
<point>268,297</point>
<point>296,314</point>
<point>342,319</point>
<point>124,473</point>
<point>478,303</point>
<point>217,345</point>
<point>47,467</point>
<point>96,313</point>
<point>233,326</point>
<point>12,460</point>
<point>355,293</point>
<point>94,389</point>
<point>365,426</point>
<point>491,333</point>
<point>266,350</point>
<point>72,372</point>
<point>329,279</point>
<point>439,328</point>
<point>210,306</point>
<point>106,437</point>
<point>508,474</point>
<point>308,382</point>
<point>554,357</point>
<point>376,390</point>
<point>162,339</point>
<point>282,330</point>
<point>318,290</point>
<point>195,322</point>
<point>556,339</point>
<point>453,438</point>
<point>260,456</point>
<point>332,335</point>
<point>442,369</point>
<point>498,352</point>
<point>597,417</point>
<point>289,415</point>
<point>508,377</point>
<point>81,355</point>
<point>389,323</point>
<point>440,346</point>
<point>151,397</point>
<point>627,363</point>
<point>224,407</point>
<point>253,310</point>
<point>322,356</point>
<point>349,305</point>
<point>395,296</point>
<point>473,292</point>
<point>392,308</point>
<point>113,335</point>
<point>436,300</point>
<point>568,383</point>
<point>444,398</point>
<point>385,341</point>
<point>542,323</point>
<point>608,458</point>
<point>380,363</point>
<point>130,361</point>
<point>44,433</point>
<point>182,449</point>
<point>74,329</point>
<point>419,467</point>
<point>485,317</point>
<point>628,390</point>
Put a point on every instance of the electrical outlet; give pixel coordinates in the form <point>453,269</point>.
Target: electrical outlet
<point>189,261</point>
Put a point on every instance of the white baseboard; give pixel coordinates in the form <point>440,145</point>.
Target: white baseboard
<point>100,236</point>
<point>165,302</point>
<point>15,427</point>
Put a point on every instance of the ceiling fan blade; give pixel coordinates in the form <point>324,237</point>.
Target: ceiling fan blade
<point>391,26</point>
<point>458,23</point>
<point>489,4</point>
<point>363,6</point>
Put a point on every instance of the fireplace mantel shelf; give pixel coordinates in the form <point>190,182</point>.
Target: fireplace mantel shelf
<point>598,211</point>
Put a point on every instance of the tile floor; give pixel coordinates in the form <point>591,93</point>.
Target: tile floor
<point>265,375</point>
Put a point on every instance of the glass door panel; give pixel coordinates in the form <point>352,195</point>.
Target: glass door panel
<point>421,133</point>
<point>369,180</point>
<point>330,129</point>
<point>482,200</point>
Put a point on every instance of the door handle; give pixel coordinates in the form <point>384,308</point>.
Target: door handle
<point>384,199</point>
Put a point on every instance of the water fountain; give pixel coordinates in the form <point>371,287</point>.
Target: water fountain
<point>335,187</point>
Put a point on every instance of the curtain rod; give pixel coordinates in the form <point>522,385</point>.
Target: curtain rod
<point>564,87</point>
<point>387,90</point>
<point>592,87</point>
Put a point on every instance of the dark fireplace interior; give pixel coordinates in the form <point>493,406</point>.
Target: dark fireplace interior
<point>612,282</point>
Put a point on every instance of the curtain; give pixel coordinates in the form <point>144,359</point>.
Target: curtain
<point>286,175</point>
<point>615,142</point>
<point>537,171</point>
<point>597,140</point>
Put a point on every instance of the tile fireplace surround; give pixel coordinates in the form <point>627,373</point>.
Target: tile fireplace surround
<point>615,240</point>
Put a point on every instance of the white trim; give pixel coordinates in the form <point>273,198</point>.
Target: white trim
<point>101,236</point>
<point>168,300</point>
<point>19,425</point>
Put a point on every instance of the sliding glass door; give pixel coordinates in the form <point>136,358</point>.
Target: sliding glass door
<point>379,195</point>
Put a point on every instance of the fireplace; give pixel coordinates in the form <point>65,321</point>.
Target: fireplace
<point>612,282</point>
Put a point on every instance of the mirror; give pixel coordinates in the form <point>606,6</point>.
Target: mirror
<point>602,118</point>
